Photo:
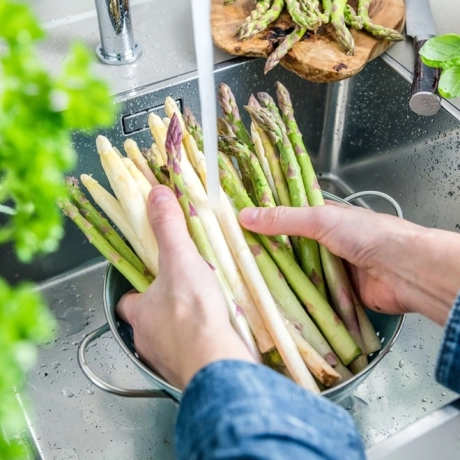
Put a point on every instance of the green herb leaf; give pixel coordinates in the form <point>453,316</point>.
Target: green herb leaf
<point>19,25</point>
<point>449,83</point>
<point>37,114</point>
<point>442,51</point>
<point>86,98</point>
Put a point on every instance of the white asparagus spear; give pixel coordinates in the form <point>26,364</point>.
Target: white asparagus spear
<point>314,361</point>
<point>371,340</point>
<point>157,155</point>
<point>196,157</point>
<point>133,152</point>
<point>260,153</point>
<point>225,262</point>
<point>262,296</point>
<point>224,255</point>
<point>142,182</point>
<point>112,208</point>
<point>131,200</point>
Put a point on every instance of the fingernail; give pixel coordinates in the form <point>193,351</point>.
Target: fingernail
<point>160,193</point>
<point>249,215</point>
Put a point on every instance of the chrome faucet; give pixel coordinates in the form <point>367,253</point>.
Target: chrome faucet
<point>117,46</point>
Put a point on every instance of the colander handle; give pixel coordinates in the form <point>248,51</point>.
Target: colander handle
<point>107,386</point>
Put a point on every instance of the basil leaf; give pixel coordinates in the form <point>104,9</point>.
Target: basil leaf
<point>442,51</point>
<point>449,83</point>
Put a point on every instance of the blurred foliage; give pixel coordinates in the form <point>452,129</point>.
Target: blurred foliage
<point>38,111</point>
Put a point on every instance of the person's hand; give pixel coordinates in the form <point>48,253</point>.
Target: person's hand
<point>181,322</point>
<point>396,266</point>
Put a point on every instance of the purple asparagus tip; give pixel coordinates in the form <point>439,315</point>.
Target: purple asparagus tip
<point>253,102</point>
<point>72,181</point>
<point>174,138</point>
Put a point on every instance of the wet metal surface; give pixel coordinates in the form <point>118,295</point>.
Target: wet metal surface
<point>71,418</point>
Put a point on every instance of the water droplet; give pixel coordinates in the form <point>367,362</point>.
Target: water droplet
<point>68,393</point>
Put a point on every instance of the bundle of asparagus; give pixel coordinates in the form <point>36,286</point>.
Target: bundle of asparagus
<point>309,15</point>
<point>289,298</point>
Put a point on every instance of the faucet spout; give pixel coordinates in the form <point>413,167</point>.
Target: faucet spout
<point>117,46</point>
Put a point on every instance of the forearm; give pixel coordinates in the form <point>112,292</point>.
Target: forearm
<point>429,264</point>
<point>233,409</point>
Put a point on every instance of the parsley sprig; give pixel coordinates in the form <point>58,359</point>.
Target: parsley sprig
<point>38,112</point>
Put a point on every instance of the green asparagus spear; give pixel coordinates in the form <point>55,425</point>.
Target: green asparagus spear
<point>268,103</point>
<point>338,21</point>
<point>314,5</point>
<point>263,193</point>
<point>194,128</point>
<point>158,172</point>
<point>310,181</point>
<point>232,115</point>
<point>289,41</point>
<point>241,152</point>
<point>327,9</point>
<point>331,326</point>
<point>137,279</point>
<point>236,128</point>
<point>336,277</point>
<point>225,129</point>
<point>252,27</point>
<point>303,14</point>
<point>375,29</point>
<point>273,161</point>
<point>309,254</point>
<point>352,19</point>
<point>262,157</point>
<point>173,150</point>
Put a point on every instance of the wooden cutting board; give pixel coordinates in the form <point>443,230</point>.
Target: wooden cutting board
<point>318,58</point>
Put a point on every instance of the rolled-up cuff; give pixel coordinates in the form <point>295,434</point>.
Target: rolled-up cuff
<point>448,364</point>
<point>235,409</point>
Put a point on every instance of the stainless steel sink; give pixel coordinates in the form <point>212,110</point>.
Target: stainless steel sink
<point>435,436</point>
<point>361,136</point>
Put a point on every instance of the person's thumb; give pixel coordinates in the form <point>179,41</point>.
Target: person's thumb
<point>329,225</point>
<point>282,220</point>
<point>126,307</point>
<point>168,222</point>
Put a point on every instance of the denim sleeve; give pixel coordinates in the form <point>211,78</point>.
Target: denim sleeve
<point>238,410</point>
<point>448,365</point>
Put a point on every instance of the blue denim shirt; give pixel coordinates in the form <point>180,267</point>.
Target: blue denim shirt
<point>448,365</point>
<point>238,410</point>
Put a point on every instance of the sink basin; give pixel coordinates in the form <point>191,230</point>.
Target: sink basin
<point>434,436</point>
<point>361,135</point>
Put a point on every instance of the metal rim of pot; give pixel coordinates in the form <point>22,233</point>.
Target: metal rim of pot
<point>169,391</point>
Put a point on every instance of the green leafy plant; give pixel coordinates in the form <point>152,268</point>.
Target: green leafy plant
<point>443,52</point>
<point>38,112</point>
